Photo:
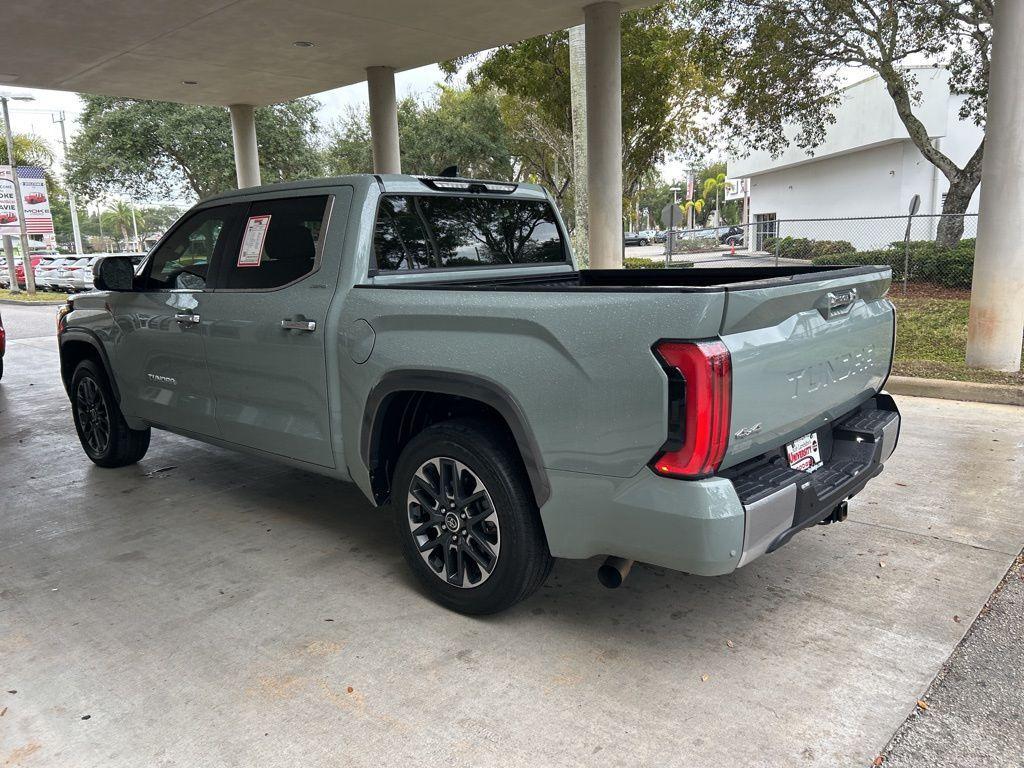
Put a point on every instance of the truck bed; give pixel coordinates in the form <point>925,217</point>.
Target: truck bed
<point>674,280</point>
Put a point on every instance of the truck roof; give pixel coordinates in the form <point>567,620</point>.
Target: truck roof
<point>396,183</point>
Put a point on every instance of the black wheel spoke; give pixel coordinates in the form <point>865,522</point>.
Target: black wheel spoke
<point>453,522</point>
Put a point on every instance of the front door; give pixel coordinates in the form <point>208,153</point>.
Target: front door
<point>267,325</point>
<point>158,347</point>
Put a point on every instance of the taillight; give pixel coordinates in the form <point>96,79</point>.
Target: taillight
<point>699,410</point>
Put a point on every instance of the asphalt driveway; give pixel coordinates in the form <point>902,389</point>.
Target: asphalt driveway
<point>205,608</point>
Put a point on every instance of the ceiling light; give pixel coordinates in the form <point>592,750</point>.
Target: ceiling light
<point>303,44</point>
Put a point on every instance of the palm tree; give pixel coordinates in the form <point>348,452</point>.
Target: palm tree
<point>28,150</point>
<point>120,217</point>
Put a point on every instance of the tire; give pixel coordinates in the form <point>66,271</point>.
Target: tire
<point>105,436</point>
<point>642,242</point>
<point>499,526</point>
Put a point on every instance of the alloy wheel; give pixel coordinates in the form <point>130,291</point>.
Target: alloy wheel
<point>93,418</point>
<point>453,522</point>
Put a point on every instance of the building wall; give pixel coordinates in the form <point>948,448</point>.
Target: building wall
<point>867,166</point>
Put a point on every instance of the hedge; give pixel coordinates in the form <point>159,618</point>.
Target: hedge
<point>805,248</point>
<point>636,262</point>
<point>929,263</point>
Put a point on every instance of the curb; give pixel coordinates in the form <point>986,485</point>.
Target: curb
<point>1001,394</point>
<point>18,303</point>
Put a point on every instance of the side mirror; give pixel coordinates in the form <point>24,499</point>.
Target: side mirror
<point>113,273</point>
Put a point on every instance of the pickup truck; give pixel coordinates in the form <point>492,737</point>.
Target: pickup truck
<point>431,340</point>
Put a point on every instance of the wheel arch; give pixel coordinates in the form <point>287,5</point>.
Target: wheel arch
<point>395,406</point>
<point>78,344</point>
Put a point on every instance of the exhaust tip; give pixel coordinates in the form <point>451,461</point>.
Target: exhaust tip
<point>614,571</point>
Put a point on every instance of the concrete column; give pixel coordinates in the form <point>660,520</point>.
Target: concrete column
<point>997,295</point>
<point>247,154</point>
<point>380,83</point>
<point>604,134</point>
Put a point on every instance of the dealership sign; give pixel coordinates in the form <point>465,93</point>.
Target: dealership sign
<point>35,198</point>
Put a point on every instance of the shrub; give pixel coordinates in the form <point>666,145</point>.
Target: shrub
<point>633,262</point>
<point>949,267</point>
<point>805,248</point>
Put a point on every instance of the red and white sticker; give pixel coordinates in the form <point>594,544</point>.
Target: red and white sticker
<point>252,244</point>
<point>804,453</point>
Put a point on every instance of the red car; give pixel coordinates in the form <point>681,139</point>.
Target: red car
<point>19,270</point>
<point>35,198</point>
<point>8,218</point>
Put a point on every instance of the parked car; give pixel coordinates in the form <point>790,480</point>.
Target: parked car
<point>730,235</point>
<point>47,271</point>
<point>19,268</point>
<point>644,237</point>
<point>71,276</point>
<point>431,341</point>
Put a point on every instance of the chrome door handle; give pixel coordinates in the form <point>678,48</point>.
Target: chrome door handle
<point>299,325</point>
<point>187,319</point>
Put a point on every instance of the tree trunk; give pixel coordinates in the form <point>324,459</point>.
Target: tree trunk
<point>951,225</point>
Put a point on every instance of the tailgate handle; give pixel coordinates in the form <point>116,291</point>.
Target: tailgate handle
<point>838,302</point>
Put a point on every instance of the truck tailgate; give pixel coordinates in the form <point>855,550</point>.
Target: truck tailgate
<point>804,351</point>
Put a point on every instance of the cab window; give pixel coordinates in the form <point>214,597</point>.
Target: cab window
<point>184,260</point>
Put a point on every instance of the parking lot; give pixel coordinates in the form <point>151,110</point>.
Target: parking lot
<point>208,608</point>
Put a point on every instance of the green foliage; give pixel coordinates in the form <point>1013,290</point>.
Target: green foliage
<point>152,149</point>
<point>664,85</point>
<point>458,127</point>
<point>28,150</point>
<point>804,248</point>
<point>929,262</point>
<point>634,262</point>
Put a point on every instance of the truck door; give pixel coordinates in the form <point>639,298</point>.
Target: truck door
<point>268,325</point>
<point>159,357</point>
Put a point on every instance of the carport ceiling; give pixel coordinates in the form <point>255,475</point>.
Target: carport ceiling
<point>243,51</point>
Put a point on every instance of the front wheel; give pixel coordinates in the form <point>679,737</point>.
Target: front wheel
<point>105,436</point>
<point>466,518</point>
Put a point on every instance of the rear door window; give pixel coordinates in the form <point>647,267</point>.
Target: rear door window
<point>280,244</point>
<point>452,232</point>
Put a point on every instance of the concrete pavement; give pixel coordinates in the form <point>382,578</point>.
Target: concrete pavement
<point>208,608</point>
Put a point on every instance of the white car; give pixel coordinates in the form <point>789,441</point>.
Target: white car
<point>71,277</point>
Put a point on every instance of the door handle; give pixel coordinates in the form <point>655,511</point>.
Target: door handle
<point>299,325</point>
<point>187,319</point>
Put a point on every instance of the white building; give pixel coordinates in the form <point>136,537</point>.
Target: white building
<point>867,165</point>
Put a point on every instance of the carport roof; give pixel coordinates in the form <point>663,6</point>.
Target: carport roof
<point>244,52</point>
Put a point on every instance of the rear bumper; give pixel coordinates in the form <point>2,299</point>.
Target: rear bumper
<point>779,502</point>
<point>711,527</point>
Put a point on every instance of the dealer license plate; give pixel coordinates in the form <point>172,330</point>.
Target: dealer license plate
<point>804,453</point>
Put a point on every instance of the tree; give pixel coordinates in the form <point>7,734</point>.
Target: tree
<point>456,127</point>
<point>663,85</point>
<point>120,217</point>
<point>28,150</point>
<point>154,149</point>
<point>783,62</point>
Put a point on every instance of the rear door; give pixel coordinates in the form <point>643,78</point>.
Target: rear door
<point>158,346</point>
<point>805,350</point>
<point>268,324</point>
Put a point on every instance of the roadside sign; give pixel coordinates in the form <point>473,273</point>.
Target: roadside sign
<point>668,219</point>
<point>35,199</point>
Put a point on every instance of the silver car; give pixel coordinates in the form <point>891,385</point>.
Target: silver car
<point>70,276</point>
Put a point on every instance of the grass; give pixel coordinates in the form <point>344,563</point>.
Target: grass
<point>39,296</point>
<point>931,341</point>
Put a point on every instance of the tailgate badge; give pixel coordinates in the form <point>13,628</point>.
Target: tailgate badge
<point>747,431</point>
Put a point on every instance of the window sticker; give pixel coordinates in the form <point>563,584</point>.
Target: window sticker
<point>252,244</point>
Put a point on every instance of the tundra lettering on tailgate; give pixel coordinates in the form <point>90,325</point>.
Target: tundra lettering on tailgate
<point>819,375</point>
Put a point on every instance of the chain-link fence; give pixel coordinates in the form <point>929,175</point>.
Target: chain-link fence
<point>927,253</point>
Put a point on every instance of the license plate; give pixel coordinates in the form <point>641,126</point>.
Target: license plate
<point>804,453</point>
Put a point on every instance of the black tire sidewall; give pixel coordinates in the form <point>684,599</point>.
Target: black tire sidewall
<point>505,481</point>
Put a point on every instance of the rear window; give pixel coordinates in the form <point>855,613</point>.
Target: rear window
<point>451,232</point>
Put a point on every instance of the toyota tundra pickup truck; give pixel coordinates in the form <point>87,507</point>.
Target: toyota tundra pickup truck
<point>432,341</point>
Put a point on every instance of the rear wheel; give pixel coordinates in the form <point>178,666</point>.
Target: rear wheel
<point>466,519</point>
<point>642,242</point>
<point>105,436</point>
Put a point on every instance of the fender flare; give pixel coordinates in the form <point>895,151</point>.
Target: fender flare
<point>90,338</point>
<point>466,385</point>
